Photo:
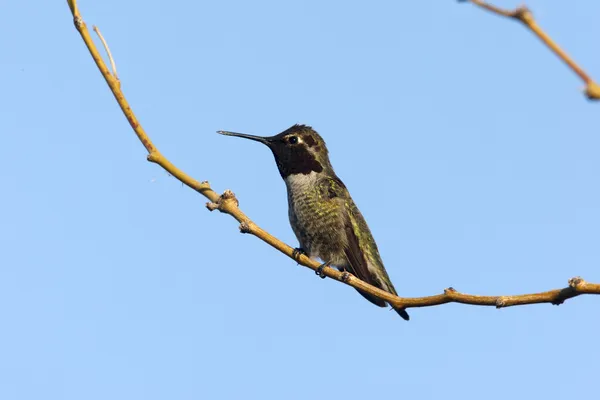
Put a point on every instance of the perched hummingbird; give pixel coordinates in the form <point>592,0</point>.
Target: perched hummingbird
<point>324,218</point>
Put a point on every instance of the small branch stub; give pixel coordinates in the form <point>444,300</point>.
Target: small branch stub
<point>153,157</point>
<point>576,281</point>
<point>113,65</point>
<point>523,14</point>
<point>345,277</point>
<point>225,203</point>
<point>245,227</point>
<point>78,22</point>
<point>228,195</point>
<point>592,91</point>
<point>500,302</point>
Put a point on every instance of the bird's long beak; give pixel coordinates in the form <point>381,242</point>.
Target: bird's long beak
<point>263,139</point>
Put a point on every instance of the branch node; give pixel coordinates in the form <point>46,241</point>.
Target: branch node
<point>153,157</point>
<point>345,277</point>
<point>592,91</point>
<point>227,199</point>
<point>523,14</point>
<point>501,302</point>
<point>575,282</point>
<point>204,185</point>
<point>449,291</point>
<point>225,203</point>
<point>78,21</point>
<point>245,227</point>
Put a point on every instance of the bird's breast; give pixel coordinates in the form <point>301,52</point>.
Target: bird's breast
<point>317,222</point>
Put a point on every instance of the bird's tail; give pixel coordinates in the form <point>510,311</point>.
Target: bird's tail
<point>402,312</point>
<point>388,287</point>
<point>377,301</point>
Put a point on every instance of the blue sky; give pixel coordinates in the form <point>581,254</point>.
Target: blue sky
<point>467,145</point>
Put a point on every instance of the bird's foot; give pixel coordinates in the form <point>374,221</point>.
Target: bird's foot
<point>319,271</point>
<point>298,251</point>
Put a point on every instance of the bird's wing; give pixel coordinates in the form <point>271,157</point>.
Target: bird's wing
<point>368,254</point>
<point>335,190</point>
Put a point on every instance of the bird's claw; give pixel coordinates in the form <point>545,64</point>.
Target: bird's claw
<point>298,251</point>
<point>319,271</point>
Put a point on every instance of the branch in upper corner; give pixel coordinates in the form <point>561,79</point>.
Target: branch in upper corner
<point>228,204</point>
<point>524,15</point>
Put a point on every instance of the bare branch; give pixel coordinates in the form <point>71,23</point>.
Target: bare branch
<point>524,15</point>
<point>73,7</point>
<point>227,203</point>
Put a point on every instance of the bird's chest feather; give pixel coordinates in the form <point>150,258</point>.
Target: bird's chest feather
<point>316,220</point>
<point>303,199</point>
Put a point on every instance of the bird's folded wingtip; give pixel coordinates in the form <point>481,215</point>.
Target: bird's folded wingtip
<point>402,312</point>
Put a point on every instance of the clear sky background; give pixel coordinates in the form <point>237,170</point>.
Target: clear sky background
<point>467,145</point>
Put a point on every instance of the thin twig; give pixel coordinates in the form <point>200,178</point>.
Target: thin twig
<point>107,49</point>
<point>228,204</point>
<point>73,7</point>
<point>524,15</point>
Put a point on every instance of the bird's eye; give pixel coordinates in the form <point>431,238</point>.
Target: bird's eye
<point>293,139</point>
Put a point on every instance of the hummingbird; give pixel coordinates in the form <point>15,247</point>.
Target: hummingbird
<point>322,214</point>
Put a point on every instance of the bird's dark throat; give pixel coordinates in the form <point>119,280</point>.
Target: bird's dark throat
<point>297,161</point>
